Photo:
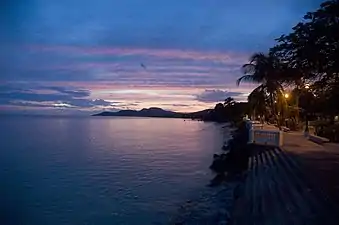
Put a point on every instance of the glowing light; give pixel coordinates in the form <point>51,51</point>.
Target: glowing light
<point>287,95</point>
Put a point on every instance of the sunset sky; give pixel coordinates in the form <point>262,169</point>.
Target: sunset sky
<point>73,56</point>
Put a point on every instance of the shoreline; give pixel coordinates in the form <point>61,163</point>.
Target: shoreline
<point>231,166</point>
<point>216,205</point>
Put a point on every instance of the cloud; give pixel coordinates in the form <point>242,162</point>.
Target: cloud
<point>165,67</point>
<point>29,104</point>
<point>86,103</point>
<point>213,56</point>
<point>75,93</point>
<point>216,95</point>
<point>178,105</point>
<point>82,56</point>
<point>49,97</point>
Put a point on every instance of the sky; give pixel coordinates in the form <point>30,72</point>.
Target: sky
<point>85,56</point>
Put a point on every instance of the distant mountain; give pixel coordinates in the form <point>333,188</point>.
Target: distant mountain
<point>151,112</point>
<point>156,112</point>
<point>198,115</point>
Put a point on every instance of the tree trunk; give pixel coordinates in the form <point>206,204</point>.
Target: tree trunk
<point>273,110</point>
<point>297,116</point>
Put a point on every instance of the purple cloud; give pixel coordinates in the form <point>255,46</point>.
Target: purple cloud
<point>212,56</point>
<point>49,97</point>
<point>78,93</point>
<point>216,95</point>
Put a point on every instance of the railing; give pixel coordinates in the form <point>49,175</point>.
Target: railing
<point>254,125</point>
<point>258,135</point>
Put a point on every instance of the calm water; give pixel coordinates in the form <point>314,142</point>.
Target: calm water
<point>102,170</point>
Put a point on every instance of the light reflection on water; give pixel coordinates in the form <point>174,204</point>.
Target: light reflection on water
<point>102,170</point>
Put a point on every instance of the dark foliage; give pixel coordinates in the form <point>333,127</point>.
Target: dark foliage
<point>227,112</point>
<point>235,161</point>
<point>331,132</point>
<point>307,61</point>
<point>311,52</point>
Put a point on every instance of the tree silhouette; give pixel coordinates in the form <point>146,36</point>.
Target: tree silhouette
<point>310,54</point>
<point>229,102</point>
<point>267,71</point>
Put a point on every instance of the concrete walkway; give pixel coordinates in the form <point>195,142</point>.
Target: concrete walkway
<point>295,184</point>
<point>320,163</point>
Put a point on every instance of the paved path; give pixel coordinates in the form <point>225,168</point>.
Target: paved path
<point>296,184</point>
<point>320,163</point>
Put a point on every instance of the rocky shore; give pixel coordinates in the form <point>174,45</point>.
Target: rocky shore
<point>215,206</point>
<point>233,162</point>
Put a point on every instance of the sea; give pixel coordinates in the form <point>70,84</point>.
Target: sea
<point>109,170</point>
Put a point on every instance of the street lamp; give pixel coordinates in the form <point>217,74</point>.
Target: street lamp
<point>306,132</point>
<point>286,95</point>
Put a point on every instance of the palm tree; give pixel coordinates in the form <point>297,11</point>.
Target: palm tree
<point>229,102</point>
<point>266,70</point>
<point>257,102</point>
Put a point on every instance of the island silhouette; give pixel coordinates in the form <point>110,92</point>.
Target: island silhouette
<point>155,112</point>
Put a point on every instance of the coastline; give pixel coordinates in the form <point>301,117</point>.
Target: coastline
<point>231,167</point>
<point>216,204</point>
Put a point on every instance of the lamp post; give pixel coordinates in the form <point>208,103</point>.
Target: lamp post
<point>286,95</point>
<point>306,132</point>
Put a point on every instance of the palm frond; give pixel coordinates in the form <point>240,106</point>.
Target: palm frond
<point>257,100</point>
<point>245,78</point>
<point>257,57</point>
<point>248,68</point>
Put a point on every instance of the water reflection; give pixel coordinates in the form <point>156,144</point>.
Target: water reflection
<point>73,171</point>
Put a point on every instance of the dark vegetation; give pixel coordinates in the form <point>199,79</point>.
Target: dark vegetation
<point>234,161</point>
<point>298,81</point>
<point>298,78</point>
<point>229,111</point>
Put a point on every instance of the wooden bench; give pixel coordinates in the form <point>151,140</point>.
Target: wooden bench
<point>317,139</point>
<point>285,129</point>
